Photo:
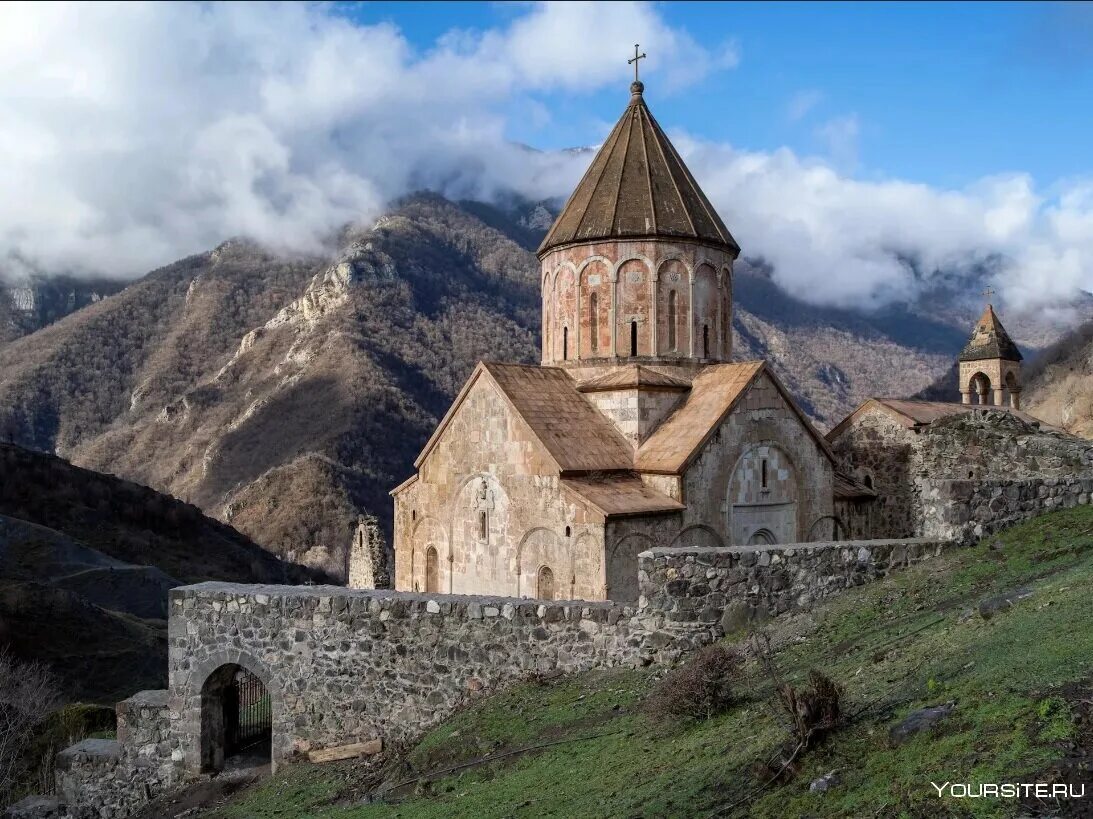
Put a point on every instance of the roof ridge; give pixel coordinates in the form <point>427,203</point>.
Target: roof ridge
<point>675,184</point>
<point>649,176</point>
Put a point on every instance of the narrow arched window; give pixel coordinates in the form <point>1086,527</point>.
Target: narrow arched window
<point>568,531</point>
<point>483,525</point>
<point>672,320</point>
<point>763,474</point>
<point>565,344</point>
<point>545,584</point>
<point>593,321</point>
<point>432,571</point>
<point>633,338</point>
<point>705,341</point>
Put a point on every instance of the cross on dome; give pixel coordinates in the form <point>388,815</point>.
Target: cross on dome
<point>636,87</point>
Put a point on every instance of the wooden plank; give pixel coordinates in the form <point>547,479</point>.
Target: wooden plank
<point>372,746</point>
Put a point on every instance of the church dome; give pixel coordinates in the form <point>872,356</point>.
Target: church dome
<point>638,187</point>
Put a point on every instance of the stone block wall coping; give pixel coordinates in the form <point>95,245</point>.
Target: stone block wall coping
<point>155,698</point>
<point>729,551</point>
<point>91,750</point>
<point>400,603</point>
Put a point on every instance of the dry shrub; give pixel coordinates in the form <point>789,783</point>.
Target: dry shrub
<point>814,709</point>
<point>701,688</point>
<point>28,693</point>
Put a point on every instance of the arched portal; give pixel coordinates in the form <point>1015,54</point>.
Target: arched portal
<point>763,497</point>
<point>236,720</point>
<point>980,387</point>
<point>545,584</point>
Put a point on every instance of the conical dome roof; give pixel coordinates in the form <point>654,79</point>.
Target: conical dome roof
<point>990,340</point>
<point>637,187</point>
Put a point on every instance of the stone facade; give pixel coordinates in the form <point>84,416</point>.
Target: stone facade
<point>964,511</point>
<point>489,504</point>
<point>725,490</point>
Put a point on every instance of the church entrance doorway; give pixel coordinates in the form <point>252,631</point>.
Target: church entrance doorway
<point>236,720</point>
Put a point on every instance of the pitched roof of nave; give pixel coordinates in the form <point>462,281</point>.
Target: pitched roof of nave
<point>912,414</point>
<point>638,187</point>
<point>715,392</point>
<point>634,376</point>
<point>575,435</point>
<point>990,340</point>
<point>581,440</point>
<point>621,495</point>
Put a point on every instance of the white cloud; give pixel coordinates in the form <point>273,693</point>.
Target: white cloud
<point>837,240</point>
<point>839,137</point>
<point>131,135</point>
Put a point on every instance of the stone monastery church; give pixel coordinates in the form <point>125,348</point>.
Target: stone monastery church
<point>637,430</point>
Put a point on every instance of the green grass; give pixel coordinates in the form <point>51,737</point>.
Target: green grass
<point>909,641</point>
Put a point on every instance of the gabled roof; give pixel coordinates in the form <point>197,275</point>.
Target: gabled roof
<point>621,495</point>
<point>572,432</point>
<point>638,187</point>
<point>715,392</point>
<point>634,376</point>
<point>990,340</point>
<point>913,414</point>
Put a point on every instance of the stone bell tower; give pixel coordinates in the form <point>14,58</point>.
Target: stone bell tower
<point>637,269</point>
<point>990,365</point>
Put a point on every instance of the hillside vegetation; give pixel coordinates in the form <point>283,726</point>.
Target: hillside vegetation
<point>1001,631</point>
<point>1059,384</point>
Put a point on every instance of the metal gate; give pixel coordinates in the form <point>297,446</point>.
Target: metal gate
<point>248,716</point>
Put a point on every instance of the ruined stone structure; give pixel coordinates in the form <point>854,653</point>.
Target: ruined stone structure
<point>367,556</point>
<point>990,365</point>
<point>636,431</point>
<point>904,457</point>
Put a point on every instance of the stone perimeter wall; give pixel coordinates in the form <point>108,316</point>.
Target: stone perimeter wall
<point>344,665</point>
<point>729,588</point>
<point>965,511</point>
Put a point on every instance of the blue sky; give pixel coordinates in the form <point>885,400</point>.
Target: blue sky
<point>939,93</point>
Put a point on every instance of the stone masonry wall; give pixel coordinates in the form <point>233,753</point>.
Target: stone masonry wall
<point>344,665</point>
<point>103,779</point>
<point>964,511</point>
<point>731,587</point>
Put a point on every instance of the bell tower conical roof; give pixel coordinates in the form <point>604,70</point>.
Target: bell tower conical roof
<point>990,340</point>
<point>638,187</point>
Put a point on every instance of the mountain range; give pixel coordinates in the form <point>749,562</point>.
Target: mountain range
<point>285,395</point>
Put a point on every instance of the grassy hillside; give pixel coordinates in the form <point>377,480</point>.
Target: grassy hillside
<point>1020,678</point>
